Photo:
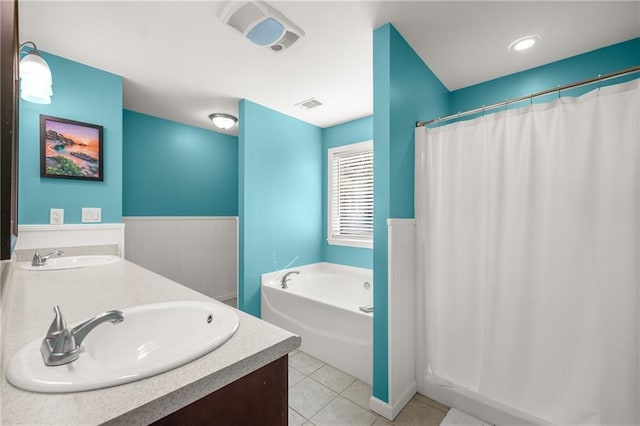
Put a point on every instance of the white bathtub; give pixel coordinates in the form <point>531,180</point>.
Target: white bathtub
<point>322,305</point>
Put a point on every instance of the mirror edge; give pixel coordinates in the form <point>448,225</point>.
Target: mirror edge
<point>9,110</point>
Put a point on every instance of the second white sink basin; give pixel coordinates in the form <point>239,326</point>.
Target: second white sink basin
<point>152,339</point>
<point>71,262</point>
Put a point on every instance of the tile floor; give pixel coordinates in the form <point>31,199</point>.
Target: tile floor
<point>320,394</point>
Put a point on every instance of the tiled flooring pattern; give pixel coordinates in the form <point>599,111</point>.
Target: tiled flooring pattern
<point>320,394</point>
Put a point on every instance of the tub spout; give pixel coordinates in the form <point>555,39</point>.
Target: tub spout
<point>286,278</point>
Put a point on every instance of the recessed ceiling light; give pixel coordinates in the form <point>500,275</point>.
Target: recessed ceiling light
<point>523,43</point>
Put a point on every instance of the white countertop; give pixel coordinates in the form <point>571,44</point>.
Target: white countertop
<point>27,301</point>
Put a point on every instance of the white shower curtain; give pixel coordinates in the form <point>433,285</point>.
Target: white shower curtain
<point>528,254</point>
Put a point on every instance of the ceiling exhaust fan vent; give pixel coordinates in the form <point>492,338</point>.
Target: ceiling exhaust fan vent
<point>285,42</point>
<point>244,16</point>
<point>262,25</point>
<point>309,103</point>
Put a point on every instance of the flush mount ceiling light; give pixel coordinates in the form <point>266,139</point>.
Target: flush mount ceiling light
<point>266,32</point>
<point>223,121</point>
<point>262,24</point>
<point>523,43</point>
<point>35,76</point>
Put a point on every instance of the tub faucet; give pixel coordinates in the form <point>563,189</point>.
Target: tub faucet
<point>286,278</point>
<point>41,260</point>
<point>61,345</point>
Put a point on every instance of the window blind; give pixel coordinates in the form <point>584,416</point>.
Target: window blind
<point>352,195</point>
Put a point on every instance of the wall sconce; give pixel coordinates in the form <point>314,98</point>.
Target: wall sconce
<point>35,76</point>
<point>223,121</point>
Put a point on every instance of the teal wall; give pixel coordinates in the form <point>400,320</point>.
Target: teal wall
<point>173,169</point>
<point>343,134</point>
<point>404,91</point>
<point>80,93</point>
<point>280,202</point>
<point>588,65</point>
<point>277,165</point>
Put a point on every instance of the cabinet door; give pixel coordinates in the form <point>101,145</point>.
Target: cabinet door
<point>259,398</point>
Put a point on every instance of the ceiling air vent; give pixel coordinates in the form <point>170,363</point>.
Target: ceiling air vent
<point>262,25</point>
<point>309,103</point>
<point>287,40</point>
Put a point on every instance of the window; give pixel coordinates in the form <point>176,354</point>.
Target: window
<point>350,199</point>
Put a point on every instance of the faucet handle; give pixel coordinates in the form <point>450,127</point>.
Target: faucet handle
<point>58,325</point>
<point>65,343</point>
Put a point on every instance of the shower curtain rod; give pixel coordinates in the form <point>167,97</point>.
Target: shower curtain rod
<point>531,96</point>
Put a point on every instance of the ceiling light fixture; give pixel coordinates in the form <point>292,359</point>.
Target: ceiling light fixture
<point>35,76</point>
<point>223,121</point>
<point>523,43</point>
<point>262,24</point>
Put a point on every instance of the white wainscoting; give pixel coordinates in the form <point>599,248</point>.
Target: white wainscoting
<point>95,238</point>
<point>198,252</point>
<point>401,305</point>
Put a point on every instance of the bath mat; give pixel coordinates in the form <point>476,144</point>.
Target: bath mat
<point>458,418</point>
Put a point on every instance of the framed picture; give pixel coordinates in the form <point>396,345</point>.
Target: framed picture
<point>70,149</point>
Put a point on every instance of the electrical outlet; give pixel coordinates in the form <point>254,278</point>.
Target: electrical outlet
<point>56,216</point>
<point>91,214</point>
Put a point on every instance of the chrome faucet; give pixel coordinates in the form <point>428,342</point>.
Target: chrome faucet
<point>61,345</point>
<point>41,260</point>
<point>286,278</point>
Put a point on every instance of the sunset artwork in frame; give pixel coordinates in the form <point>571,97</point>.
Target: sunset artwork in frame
<point>70,149</point>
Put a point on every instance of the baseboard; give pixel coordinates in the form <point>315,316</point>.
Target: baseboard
<point>404,399</point>
<point>391,411</point>
<point>381,407</point>
<point>225,297</point>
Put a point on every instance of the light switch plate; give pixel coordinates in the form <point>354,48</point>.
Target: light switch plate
<point>56,216</point>
<point>91,214</point>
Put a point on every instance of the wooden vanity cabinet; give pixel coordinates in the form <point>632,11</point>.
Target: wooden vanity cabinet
<point>259,398</point>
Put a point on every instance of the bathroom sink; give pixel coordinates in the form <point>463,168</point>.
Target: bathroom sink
<point>150,340</point>
<point>70,262</point>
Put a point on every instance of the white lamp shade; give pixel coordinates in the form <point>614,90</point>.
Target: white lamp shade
<point>223,121</point>
<point>35,91</point>
<point>36,81</point>
<point>34,66</point>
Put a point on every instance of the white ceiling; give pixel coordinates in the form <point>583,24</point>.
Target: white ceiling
<point>180,62</point>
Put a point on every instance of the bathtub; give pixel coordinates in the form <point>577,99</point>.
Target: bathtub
<point>322,305</point>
